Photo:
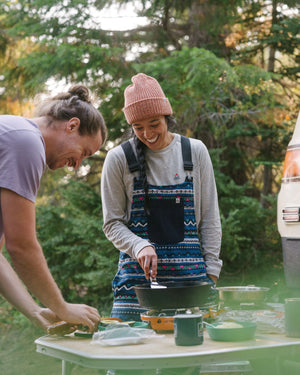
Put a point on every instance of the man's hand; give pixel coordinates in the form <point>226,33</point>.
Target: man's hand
<point>43,318</point>
<point>79,314</point>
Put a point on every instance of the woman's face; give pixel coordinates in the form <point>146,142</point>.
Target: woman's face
<point>153,132</point>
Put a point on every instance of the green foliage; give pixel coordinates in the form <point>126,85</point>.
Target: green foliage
<point>270,28</point>
<point>81,259</point>
<point>232,110</point>
<point>237,109</point>
<point>10,316</point>
<point>54,39</point>
<point>250,237</point>
<point>227,107</point>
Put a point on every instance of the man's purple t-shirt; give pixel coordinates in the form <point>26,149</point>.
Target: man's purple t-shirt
<point>22,157</point>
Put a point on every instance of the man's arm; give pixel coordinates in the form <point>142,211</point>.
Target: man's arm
<point>29,262</point>
<point>14,292</point>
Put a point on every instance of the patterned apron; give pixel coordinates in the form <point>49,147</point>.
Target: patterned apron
<point>172,229</point>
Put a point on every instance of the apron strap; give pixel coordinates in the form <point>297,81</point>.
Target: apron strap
<point>186,153</point>
<point>130,156</point>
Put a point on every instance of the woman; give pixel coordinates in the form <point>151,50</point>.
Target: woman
<point>159,196</point>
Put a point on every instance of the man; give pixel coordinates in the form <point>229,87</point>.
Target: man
<point>67,129</point>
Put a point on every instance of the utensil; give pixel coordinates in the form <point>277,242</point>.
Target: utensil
<point>154,284</point>
<point>176,295</point>
<point>208,324</point>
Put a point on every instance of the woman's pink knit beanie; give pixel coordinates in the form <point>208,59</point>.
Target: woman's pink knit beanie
<point>144,99</point>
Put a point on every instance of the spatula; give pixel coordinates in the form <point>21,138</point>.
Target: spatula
<point>154,284</point>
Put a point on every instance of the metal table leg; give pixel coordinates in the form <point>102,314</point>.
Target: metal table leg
<point>66,367</point>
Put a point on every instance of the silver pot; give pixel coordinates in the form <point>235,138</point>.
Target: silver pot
<point>242,294</point>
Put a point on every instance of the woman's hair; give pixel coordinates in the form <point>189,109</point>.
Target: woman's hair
<point>74,103</point>
<point>140,149</point>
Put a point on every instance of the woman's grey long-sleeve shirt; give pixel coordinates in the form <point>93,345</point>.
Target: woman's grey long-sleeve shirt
<point>164,167</point>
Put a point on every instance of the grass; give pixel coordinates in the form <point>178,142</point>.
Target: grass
<point>18,350</point>
<point>19,356</point>
<point>18,353</point>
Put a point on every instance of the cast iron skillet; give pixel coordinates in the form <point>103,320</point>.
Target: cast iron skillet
<point>176,295</point>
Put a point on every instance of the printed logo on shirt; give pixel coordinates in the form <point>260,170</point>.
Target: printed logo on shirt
<point>176,177</point>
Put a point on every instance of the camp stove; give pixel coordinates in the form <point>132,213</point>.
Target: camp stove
<point>163,320</point>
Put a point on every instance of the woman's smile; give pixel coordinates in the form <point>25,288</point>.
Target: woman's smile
<point>153,132</point>
<point>152,140</point>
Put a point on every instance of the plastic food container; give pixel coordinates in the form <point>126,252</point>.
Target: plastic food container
<point>237,331</point>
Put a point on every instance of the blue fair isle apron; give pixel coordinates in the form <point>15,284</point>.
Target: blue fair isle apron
<point>172,229</point>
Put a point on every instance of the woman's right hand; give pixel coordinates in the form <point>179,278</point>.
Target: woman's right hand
<point>147,259</point>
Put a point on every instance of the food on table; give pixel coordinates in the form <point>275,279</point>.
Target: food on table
<point>61,328</point>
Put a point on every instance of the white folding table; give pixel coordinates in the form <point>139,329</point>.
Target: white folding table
<point>163,353</point>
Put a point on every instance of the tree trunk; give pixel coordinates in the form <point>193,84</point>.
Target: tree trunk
<point>271,64</point>
<point>267,173</point>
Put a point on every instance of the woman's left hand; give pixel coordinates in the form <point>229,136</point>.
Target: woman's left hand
<point>213,278</point>
<point>147,259</point>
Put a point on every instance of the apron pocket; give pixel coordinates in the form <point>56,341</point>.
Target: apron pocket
<point>166,221</point>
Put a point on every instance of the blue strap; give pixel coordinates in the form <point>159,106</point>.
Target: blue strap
<point>186,153</point>
<point>130,157</point>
